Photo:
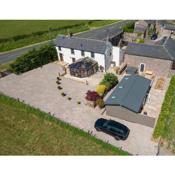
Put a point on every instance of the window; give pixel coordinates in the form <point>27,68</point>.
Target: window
<point>142,67</point>
<point>59,48</point>
<point>82,53</point>
<point>72,51</point>
<point>73,60</point>
<point>92,54</point>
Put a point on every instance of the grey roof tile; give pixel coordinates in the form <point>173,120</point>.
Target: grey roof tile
<point>82,44</point>
<point>130,93</point>
<point>102,33</point>
<point>169,26</point>
<point>164,51</point>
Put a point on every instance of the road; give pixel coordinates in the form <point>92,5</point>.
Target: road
<point>12,55</point>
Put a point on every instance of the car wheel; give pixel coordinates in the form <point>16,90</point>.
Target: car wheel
<point>98,129</point>
<point>117,138</point>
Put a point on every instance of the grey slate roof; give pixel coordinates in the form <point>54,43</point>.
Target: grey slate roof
<point>103,33</point>
<point>140,29</point>
<point>82,44</point>
<point>164,51</point>
<point>169,26</point>
<point>150,21</point>
<point>130,93</point>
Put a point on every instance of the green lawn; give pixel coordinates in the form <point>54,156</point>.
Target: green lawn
<point>20,33</point>
<point>28,131</point>
<point>165,128</point>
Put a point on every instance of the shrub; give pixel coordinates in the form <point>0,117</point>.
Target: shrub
<point>100,103</point>
<point>58,78</point>
<point>78,102</point>
<point>100,89</point>
<point>92,96</point>
<point>58,82</point>
<point>34,59</point>
<point>59,87</point>
<point>69,98</point>
<point>129,27</point>
<point>106,83</point>
<point>109,80</point>
<point>63,94</point>
<point>139,40</point>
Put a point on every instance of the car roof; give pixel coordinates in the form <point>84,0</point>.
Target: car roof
<point>114,123</point>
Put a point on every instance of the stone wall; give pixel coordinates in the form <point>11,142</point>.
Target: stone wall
<point>126,114</point>
<point>160,67</point>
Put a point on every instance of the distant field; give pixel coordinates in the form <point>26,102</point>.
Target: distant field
<point>20,33</point>
<point>28,131</point>
<point>10,28</point>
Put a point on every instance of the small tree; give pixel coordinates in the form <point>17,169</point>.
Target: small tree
<point>109,80</point>
<point>139,40</point>
<point>100,89</point>
<point>100,103</point>
<point>92,96</point>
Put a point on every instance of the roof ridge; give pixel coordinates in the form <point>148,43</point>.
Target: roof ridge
<point>143,44</point>
<point>167,51</point>
<point>81,38</point>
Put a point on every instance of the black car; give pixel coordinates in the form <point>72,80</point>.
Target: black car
<point>154,36</point>
<point>116,129</point>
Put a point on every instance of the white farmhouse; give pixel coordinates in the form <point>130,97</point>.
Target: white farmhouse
<point>70,49</point>
<point>99,45</point>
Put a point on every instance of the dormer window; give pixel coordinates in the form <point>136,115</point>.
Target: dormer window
<point>59,48</point>
<point>72,51</point>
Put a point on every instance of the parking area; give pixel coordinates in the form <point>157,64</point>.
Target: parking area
<point>39,89</point>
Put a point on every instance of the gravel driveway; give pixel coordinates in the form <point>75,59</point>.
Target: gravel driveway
<point>39,89</point>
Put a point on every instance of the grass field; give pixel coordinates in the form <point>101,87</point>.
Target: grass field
<point>19,33</point>
<point>165,128</point>
<point>10,28</point>
<point>6,66</point>
<point>28,131</point>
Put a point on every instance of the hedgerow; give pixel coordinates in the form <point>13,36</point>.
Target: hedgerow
<point>34,59</point>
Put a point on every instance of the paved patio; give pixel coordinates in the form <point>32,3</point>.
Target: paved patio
<point>39,89</point>
<point>155,99</point>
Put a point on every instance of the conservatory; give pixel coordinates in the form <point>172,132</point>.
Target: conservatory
<point>83,67</point>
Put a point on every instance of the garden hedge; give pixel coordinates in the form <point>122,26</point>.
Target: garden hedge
<point>129,27</point>
<point>34,59</point>
<point>110,80</point>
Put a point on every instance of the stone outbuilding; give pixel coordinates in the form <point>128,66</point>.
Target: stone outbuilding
<point>159,59</point>
<point>142,27</point>
<point>165,28</point>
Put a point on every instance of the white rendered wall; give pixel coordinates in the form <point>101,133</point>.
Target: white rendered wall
<point>108,57</point>
<point>117,55</point>
<point>67,56</point>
